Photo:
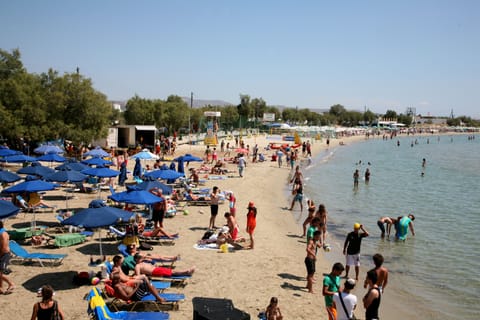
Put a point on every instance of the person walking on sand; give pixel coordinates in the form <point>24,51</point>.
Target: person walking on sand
<point>331,284</point>
<point>298,196</point>
<point>351,248</point>
<point>371,301</point>
<point>251,222</point>
<point>242,163</point>
<point>345,302</point>
<point>311,259</point>
<point>311,213</point>
<point>5,256</point>
<point>47,308</point>
<point>322,214</point>
<point>214,199</point>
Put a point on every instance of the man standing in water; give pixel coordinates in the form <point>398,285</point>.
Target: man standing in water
<point>351,248</point>
<point>356,177</point>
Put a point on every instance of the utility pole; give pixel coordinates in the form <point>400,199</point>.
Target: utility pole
<point>189,121</point>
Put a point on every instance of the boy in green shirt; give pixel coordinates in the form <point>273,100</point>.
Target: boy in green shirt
<point>331,284</point>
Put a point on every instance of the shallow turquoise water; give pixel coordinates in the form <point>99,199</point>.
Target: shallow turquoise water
<point>436,272</point>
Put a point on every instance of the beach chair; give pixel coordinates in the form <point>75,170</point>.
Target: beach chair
<point>23,255</point>
<point>172,300</point>
<point>162,240</point>
<point>98,309</point>
<point>84,189</point>
<point>122,248</point>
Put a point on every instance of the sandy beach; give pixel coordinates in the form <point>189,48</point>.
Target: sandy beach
<point>249,277</point>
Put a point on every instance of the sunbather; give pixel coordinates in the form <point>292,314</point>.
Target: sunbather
<point>159,232</point>
<point>132,250</point>
<point>151,270</point>
<point>136,292</point>
<point>190,196</point>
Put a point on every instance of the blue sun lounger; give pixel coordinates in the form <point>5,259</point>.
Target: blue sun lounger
<point>22,254</point>
<point>98,308</point>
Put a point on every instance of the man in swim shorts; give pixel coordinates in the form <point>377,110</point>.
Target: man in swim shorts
<point>386,222</point>
<point>351,248</point>
<point>149,269</point>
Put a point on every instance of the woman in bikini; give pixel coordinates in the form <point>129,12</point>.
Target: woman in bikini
<point>311,213</point>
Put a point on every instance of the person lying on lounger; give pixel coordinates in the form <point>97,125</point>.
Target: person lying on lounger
<point>136,292</point>
<point>159,232</point>
<point>148,257</point>
<point>193,197</point>
<point>150,270</point>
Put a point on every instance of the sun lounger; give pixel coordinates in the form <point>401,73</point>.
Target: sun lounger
<point>162,240</point>
<point>172,300</point>
<point>22,254</point>
<point>98,309</point>
<point>167,264</point>
<point>67,239</point>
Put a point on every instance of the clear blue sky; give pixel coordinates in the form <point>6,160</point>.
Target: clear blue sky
<point>385,54</point>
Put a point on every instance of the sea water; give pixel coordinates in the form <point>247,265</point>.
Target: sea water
<point>435,274</point>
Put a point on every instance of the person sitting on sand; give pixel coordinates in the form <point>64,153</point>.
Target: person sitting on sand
<point>194,176</point>
<point>159,232</point>
<point>221,237</point>
<point>137,292</point>
<point>150,270</point>
<point>272,311</point>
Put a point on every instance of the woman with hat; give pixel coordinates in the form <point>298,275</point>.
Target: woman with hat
<point>251,222</point>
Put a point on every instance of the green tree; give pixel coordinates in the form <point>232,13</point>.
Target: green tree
<point>337,110</point>
<point>390,114</point>
<point>140,111</point>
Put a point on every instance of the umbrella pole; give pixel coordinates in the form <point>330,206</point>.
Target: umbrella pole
<point>100,238</point>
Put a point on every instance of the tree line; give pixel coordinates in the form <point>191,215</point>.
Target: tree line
<point>48,106</point>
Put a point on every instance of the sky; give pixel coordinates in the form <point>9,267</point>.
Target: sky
<point>376,55</point>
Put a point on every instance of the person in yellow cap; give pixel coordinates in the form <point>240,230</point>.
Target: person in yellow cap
<point>351,248</point>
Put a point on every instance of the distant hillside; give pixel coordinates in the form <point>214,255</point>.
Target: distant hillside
<point>198,103</point>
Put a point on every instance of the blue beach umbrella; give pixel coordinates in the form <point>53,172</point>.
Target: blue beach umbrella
<point>48,148</point>
<point>36,169</point>
<point>7,209</point>
<point>97,152</point>
<point>76,166</point>
<point>134,196</point>
<point>66,176</point>
<point>7,176</point>
<point>165,174</point>
<point>51,157</point>
<point>18,158</point>
<point>101,172</point>
<point>5,152</point>
<point>31,186</point>
<point>123,174</point>
<point>98,217</point>
<point>150,184</point>
<point>187,158</point>
<point>96,161</point>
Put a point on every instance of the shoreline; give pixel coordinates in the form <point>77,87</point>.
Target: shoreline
<point>248,277</point>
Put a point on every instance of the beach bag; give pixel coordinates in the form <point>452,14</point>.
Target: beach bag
<point>145,246</point>
<point>56,314</point>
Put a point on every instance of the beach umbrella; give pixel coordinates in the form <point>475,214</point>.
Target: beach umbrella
<point>150,184</point>
<point>76,166</point>
<point>7,176</point>
<point>123,174</point>
<point>99,217</point>
<point>145,154</point>
<point>166,174</point>
<point>135,196</point>
<point>18,158</point>
<point>66,176</point>
<point>137,170</point>
<point>187,158</point>
<point>5,152</point>
<point>36,169</point>
<point>96,161</point>
<point>48,148</point>
<point>7,209</point>
<point>31,186</point>
<point>97,152</point>
<point>51,157</point>
<point>101,172</point>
